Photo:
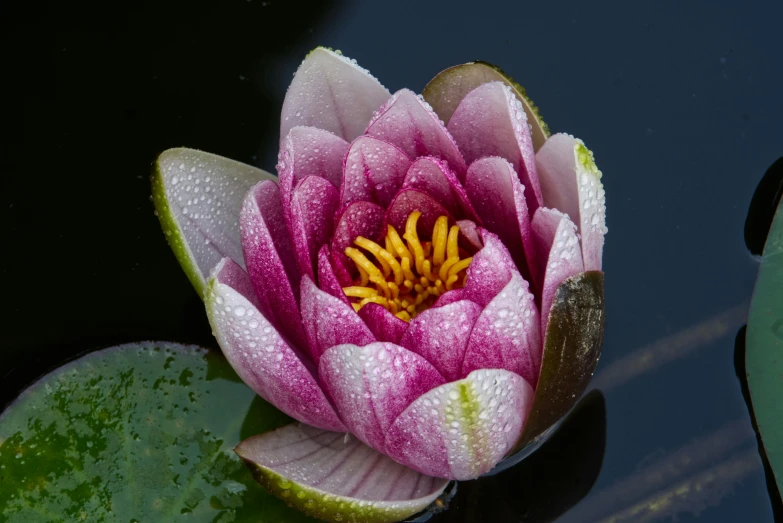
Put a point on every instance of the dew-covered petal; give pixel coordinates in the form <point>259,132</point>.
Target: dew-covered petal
<point>408,122</point>
<point>328,321</point>
<point>449,297</point>
<point>358,219</point>
<point>556,233</point>
<point>313,206</point>
<point>384,325</point>
<point>462,429</point>
<point>335,477</point>
<point>372,385</point>
<point>449,87</point>
<point>409,200</point>
<point>440,334</point>
<point>571,182</point>
<point>434,177</point>
<point>197,198</point>
<point>490,121</point>
<point>490,270</point>
<point>496,194</point>
<point>373,172</point>
<point>331,92</point>
<point>469,237</point>
<point>270,260</point>
<point>327,279</point>
<point>507,334</point>
<point>259,354</point>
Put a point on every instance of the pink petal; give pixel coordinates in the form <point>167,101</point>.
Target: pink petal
<point>497,197</point>
<point>408,122</point>
<point>270,259</point>
<point>313,206</point>
<point>327,279</point>
<point>556,233</point>
<point>328,321</point>
<point>440,334</point>
<point>259,354</point>
<point>490,121</point>
<point>462,429</point>
<point>469,238</point>
<point>434,177</point>
<point>449,297</point>
<point>409,200</point>
<point>326,474</point>
<point>373,172</point>
<point>507,334</point>
<point>571,182</point>
<point>331,92</point>
<point>372,385</point>
<point>490,270</point>
<point>383,324</point>
<point>358,219</point>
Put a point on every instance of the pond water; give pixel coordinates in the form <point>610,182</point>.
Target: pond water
<point>680,103</point>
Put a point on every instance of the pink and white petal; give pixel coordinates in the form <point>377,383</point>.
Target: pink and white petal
<point>469,237</point>
<point>270,259</point>
<point>434,177</point>
<point>409,200</point>
<point>327,279</point>
<point>331,92</point>
<point>259,354</point>
<point>372,385</point>
<point>328,321</point>
<point>448,297</point>
<point>440,335</point>
<point>507,334</point>
<point>358,219</point>
<point>490,270</point>
<point>384,325</point>
<point>313,206</point>
<point>409,122</point>
<point>555,230</point>
<point>496,193</point>
<point>335,477</point>
<point>197,199</point>
<point>571,182</point>
<point>490,121</point>
<point>544,227</point>
<point>462,429</point>
<point>373,172</point>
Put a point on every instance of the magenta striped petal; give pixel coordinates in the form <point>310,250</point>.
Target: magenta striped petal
<point>327,279</point>
<point>409,200</point>
<point>384,325</point>
<point>462,429</point>
<point>331,92</point>
<point>328,321</point>
<point>490,121</point>
<point>434,177</point>
<point>358,219</point>
<point>270,259</point>
<point>507,334</point>
<point>259,354</point>
<point>373,172</point>
<point>335,477</point>
<point>556,233</point>
<point>408,122</point>
<point>372,385</point>
<point>440,334</point>
<point>313,206</point>
<point>571,182</point>
<point>490,270</point>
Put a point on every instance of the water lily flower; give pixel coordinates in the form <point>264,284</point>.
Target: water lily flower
<point>420,288</point>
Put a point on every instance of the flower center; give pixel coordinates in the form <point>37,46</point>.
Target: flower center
<point>407,277</point>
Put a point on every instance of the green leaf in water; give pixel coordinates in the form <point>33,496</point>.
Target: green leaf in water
<point>136,433</point>
<point>764,341</point>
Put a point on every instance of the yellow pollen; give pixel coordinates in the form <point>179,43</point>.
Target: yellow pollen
<point>407,277</point>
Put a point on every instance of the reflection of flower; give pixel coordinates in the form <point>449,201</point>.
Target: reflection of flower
<point>400,275</point>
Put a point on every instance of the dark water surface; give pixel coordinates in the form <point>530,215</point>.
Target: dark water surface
<point>680,102</point>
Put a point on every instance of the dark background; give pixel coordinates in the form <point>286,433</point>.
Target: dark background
<point>680,102</point>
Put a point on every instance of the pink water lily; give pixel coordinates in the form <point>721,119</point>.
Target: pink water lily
<point>395,282</point>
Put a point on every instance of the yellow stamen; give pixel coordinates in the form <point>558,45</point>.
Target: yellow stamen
<point>407,277</point>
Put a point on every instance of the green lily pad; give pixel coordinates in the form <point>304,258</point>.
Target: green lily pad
<point>764,348</point>
<point>136,433</point>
